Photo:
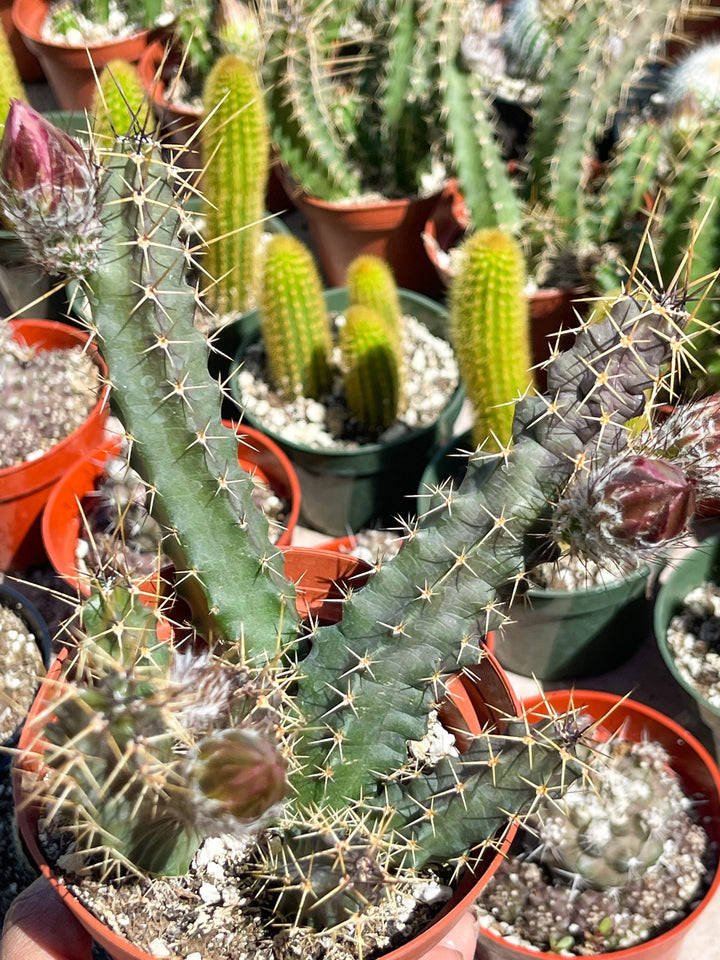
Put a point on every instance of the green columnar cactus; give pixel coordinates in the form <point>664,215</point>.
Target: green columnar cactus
<point>370,283</point>
<point>343,705</point>
<point>371,368</point>
<point>236,151</point>
<point>294,320</point>
<point>11,86</point>
<point>490,331</point>
<point>119,101</point>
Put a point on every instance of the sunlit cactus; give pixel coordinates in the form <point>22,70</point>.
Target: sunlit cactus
<point>316,725</point>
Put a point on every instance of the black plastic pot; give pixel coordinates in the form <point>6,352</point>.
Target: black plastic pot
<point>19,604</point>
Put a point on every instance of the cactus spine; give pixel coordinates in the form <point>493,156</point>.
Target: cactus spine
<point>341,706</point>
<point>294,319</point>
<point>119,101</point>
<point>371,367</point>
<point>490,331</point>
<point>236,151</point>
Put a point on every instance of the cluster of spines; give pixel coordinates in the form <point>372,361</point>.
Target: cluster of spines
<point>236,153</point>
<point>120,102</point>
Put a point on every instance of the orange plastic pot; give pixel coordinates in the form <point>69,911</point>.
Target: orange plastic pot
<point>26,487</point>
<point>700,780</point>
<point>28,66</point>
<point>62,519</point>
<point>390,229</point>
<point>69,70</point>
<point>451,936</point>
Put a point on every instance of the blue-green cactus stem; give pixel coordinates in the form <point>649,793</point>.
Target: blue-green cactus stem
<point>142,312</point>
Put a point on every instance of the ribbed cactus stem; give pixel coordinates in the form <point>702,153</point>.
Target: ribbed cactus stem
<point>370,283</point>
<point>142,310</point>
<point>120,103</point>
<point>371,366</point>
<point>294,320</point>
<point>236,153</point>
<point>489,319</point>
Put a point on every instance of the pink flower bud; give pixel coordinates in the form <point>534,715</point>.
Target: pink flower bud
<point>646,500</point>
<point>49,191</point>
<point>243,771</point>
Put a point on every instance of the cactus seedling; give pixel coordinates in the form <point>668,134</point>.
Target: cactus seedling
<point>372,370</point>
<point>294,320</point>
<point>490,331</point>
<point>141,747</point>
<point>235,143</point>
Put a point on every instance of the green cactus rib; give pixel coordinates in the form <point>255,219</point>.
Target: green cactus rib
<point>371,366</point>
<point>372,679</point>
<point>294,75</point>
<point>236,151</point>
<point>632,176</point>
<point>490,330</point>
<point>293,319</point>
<point>120,102</point>
<point>142,313</point>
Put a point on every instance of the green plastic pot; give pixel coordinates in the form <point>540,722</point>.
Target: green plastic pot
<point>560,634</point>
<point>702,564</point>
<point>347,490</point>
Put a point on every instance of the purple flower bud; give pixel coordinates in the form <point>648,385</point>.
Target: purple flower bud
<point>646,500</point>
<point>243,771</point>
<point>49,192</point>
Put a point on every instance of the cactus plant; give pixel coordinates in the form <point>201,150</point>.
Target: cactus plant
<point>490,331</point>
<point>371,283</point>
<point>119,100</point>
<point>294,322</point>
<point>146,740</point>
<point>371,368</point>
<point>11,86</point>
<point>236,151</point>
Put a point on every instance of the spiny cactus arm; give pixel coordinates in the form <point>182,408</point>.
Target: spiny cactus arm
<point>481,169</point>
<point>298,84</point>
<point>633,175</point>
<point>236,152</point>
<point>439,596</point>
<point>142,312</point>
<point>466,799</point>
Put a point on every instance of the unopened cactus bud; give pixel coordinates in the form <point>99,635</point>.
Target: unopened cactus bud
<point>242,770</point>
<point>646,499</point>
<point>49,191</point>
<point>627,509</point>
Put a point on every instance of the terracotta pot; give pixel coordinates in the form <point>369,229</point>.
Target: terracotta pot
<point>62,519</point>
<point>28,65</point>
<point>69,70</point>
<point>346,490</point>
<point>390,229</point>
<point>322,578</point>
<point>451,936</point>
<point>25,488</point>
<point>700,780</point>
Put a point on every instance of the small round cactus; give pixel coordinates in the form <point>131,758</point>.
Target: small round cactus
<point>693,83</point>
